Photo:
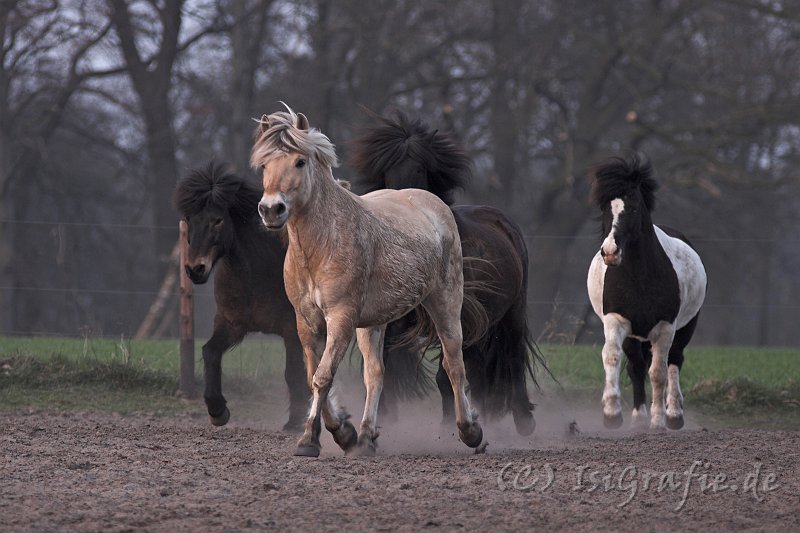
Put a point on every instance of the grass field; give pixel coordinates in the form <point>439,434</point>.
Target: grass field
<point>739,386</point>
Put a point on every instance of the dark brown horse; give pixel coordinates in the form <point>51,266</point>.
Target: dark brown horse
<point>401,153</point>
<point>226,236</point>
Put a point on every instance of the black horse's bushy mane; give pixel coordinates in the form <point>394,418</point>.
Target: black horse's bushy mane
<point>618,175</point>
<point>398,137</point>
<point>216,186</point>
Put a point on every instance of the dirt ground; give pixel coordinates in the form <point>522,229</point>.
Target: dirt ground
<point>105,472</point>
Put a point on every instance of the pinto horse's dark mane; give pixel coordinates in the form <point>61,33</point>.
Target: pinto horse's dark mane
<point>399,137</point>
<point>617,176</point>
<point>217,186</point>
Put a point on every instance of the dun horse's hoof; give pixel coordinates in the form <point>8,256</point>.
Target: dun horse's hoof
<point>675,423</point>
<point>366,447</point>
<point>524,423</point>
<point>612,422</point>
<point>222,419</point>
<point>346,436</point>
<point>471,434</point>
<point>307,451</point>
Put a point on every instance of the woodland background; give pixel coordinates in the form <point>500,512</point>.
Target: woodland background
<point>105,104</point>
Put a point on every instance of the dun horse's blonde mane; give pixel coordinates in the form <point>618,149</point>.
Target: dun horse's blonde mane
<point>277,134</point>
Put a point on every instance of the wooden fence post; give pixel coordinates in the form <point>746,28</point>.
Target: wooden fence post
<point>186,387</point>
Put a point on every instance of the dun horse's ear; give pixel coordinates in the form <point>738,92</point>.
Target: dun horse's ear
<point>302,122</point>
<point>264,123</point>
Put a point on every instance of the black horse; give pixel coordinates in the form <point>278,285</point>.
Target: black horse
<point>226,236</point>
<point>647,284</point>
<point>402,153</point>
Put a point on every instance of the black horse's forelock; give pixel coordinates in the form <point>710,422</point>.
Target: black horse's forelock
<point>398,137</point>
<point>216,186</point>
<point>617,176</point>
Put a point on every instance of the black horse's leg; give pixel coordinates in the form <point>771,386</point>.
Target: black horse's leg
<point>637,369</point>
<point>295,375</point>
<point>675,362</point>
<point>448,399</point>
<point>218,344</point>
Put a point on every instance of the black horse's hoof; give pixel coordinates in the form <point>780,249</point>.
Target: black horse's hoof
<point>307,451</point>
<point>294,426</point>
<point>675,423</point>
<point>613,422</point>
<point>346,436</point>
<point>222,419</point>
<point>471,434</point>
<point>525,423</point>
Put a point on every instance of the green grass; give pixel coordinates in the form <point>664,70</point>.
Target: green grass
<point>736,386</point>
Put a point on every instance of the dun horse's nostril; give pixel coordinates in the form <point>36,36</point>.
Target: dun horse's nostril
<point>262,210</point>
<point>280,209</point>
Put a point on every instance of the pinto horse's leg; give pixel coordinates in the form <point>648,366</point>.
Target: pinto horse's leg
<point>295,377</point>
<point>323,399</point>
<point>221,340</point>
<point>661,341</point>
<point>675,362</point>
<point>637,370</point>
<point>370,342</point>
<point>616,329</point>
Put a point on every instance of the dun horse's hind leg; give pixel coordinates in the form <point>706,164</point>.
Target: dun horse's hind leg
<point>616,329</point>
<point>637,370</point>
<point>445,314</point>
<point>446,392</point>
<point>370,342</point>
<point>295,377</point>
<point>661,341</point>
<point>320,374</point>
<point>675,362</point>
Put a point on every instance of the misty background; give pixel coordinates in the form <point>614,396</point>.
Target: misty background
<point>105,104</point>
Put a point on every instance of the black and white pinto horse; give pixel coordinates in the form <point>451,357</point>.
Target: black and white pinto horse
<point>647,284</point>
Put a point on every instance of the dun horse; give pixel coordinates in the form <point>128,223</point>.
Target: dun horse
<point>401,153</point>
<point>354,264</point>
<point>647,284</point>
<point>226,237</point>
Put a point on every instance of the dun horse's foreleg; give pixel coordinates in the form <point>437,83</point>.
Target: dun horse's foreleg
<point>616,329</point>
<point>221,340</point>
<point>661,340</point>
<point>295,376</point>
<point>323,398</point>
<point>370,342</point>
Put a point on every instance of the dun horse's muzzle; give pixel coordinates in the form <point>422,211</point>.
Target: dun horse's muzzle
<point>273,216</point>
<point>197,273</point>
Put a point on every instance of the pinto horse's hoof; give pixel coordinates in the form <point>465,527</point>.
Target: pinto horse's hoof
<point>307,451</point>
<point>345,436</point>
<point>470,434</point>
<point>222,419</point>
<point>612,422</point>
<point>675,423</point>
<point>525,423</point>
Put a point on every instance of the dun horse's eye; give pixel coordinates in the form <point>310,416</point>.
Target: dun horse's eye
<point>300,163</point>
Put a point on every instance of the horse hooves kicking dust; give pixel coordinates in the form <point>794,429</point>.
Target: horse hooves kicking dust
<point>222,419</point>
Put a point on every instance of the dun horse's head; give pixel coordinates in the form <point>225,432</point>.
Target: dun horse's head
<point>624,191</point>
<point>293,157</point>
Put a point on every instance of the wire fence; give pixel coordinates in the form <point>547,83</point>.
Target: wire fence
<point>737,312</point>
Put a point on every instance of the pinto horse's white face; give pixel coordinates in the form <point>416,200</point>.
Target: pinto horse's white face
<point>622,225</point>
<point>286,181</point>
